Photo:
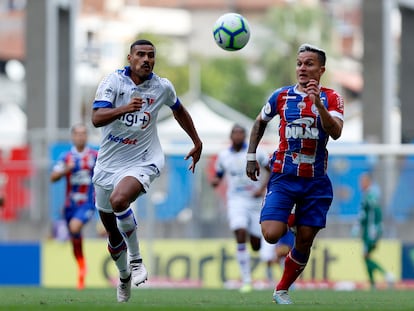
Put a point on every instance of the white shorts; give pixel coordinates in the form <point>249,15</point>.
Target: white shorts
<point>244,213</point>
<point>105,182</point>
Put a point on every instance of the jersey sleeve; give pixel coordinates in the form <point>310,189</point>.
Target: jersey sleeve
<point>106,92</point>
<point>172,100</point>
<point>269,110</point>
<point>335,105</point>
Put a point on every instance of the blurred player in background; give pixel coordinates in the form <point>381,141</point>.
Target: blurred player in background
<point>370,227</point>
<point>309,115</point>
<point>244,199</point>
<point>130,157</point>
<point>77,166</point>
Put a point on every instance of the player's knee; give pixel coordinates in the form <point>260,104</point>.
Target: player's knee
<point>119,203</point>
<point>272,232</point>
<point>271,236</point>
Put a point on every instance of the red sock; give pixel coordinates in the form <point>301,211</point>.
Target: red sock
<point>292,270</point>
<point>77,247</point>
<point>78,253</point>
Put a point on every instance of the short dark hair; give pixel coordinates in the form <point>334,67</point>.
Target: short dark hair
<point>306,47</point>
<point>237,126</point>
<point>141,42</point>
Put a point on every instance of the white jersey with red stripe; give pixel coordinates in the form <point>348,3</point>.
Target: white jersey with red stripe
<point>133,137</point>
<point>302,145</point>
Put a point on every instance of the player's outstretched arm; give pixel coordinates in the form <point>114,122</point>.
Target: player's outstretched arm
<point>186,122</point>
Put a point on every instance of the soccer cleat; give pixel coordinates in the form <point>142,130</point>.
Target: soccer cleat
<point>81,281</point>
<point>81,275</point>
<point>246,288</point>
<point>123,290</point>
<point>138,271</point>
<point>281,297</point>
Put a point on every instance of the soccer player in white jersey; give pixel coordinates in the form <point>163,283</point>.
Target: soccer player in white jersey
<point>130,156</point>
<point>244,198</point>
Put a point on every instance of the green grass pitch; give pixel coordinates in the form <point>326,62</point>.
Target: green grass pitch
<point>34,298</point>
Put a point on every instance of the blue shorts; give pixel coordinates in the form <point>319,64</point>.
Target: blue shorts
<point>83,212</point>
<point>312,196</point>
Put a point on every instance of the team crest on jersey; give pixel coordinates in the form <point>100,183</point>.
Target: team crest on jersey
<point>301,105</point>
<point>108,92</point>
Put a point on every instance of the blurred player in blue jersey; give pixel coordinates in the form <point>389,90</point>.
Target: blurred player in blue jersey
<point>130,156</point>
<point>77,166</point>
<point>244,198</point>
<point>309,114</point>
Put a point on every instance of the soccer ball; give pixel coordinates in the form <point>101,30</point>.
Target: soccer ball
<point>231,31</point>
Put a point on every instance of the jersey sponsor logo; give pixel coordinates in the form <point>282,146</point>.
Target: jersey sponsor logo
<point>301,128</point>
<point>298,158</point>
<point>81,177</point>
<point>289,97</point>
<point>141,119</point>
<point>122,140</point>
<point>340,103</point>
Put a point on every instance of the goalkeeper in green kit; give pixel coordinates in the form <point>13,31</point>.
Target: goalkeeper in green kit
<point>370,227</point>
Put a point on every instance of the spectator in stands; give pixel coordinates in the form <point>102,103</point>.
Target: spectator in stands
<point>76,166</point>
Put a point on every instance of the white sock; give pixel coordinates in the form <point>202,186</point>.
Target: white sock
<point>243,258</point>
<point>120,260</point>
<point>127,225</point>
<point>269,272</point>
<point>122,265</point>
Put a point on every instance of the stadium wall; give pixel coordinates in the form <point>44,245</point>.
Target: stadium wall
<point>207,263</point>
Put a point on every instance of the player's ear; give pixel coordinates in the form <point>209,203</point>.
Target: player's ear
<point>322,69</point>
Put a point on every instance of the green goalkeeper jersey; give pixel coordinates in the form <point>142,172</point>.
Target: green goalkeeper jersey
<point>371,215</point>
